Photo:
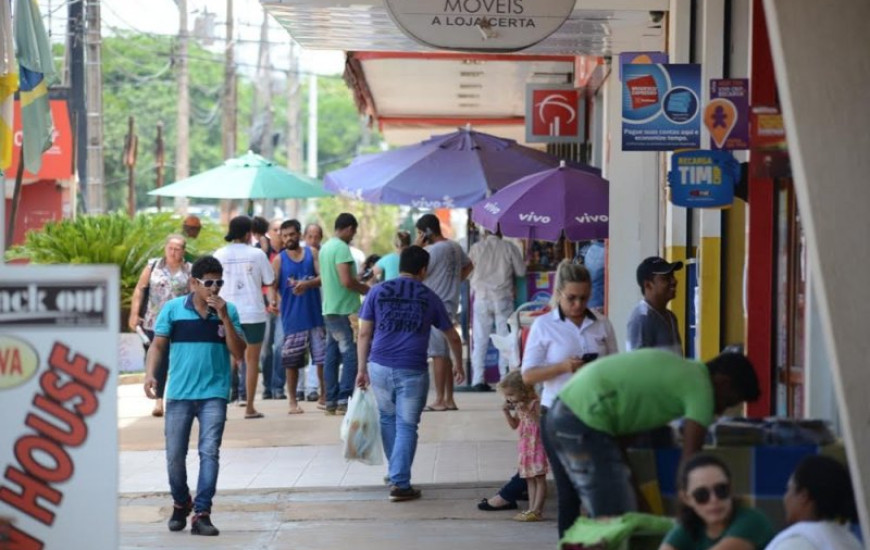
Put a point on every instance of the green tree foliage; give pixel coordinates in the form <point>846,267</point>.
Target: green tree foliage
<point>377,223</point>
<point>139,79</point>
<point>110,239</point>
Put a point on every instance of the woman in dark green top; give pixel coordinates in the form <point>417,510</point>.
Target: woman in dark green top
<point>709,516</point>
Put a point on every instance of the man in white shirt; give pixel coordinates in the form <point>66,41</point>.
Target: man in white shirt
<point>496,263</point>
<point>246,271</point>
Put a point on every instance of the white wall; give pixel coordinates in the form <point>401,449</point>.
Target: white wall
<point>823,74</point>
<point>634,210</point>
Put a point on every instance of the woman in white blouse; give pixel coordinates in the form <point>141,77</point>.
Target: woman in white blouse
<point>560,342</point>
<point>819,504</point>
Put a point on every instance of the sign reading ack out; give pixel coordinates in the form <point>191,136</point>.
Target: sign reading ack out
<point>479,25</point>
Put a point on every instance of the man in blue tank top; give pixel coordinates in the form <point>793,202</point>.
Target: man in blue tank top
<point>297,292</point>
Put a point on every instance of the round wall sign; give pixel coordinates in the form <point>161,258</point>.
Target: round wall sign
<point>479,25</point>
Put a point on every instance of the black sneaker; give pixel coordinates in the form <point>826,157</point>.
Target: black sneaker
<point>482,387</point>
<point>397,494</point>
<point>313,396</point>
<point>281,395</point>
<point>267,395</point>
<point>300,396</point>
<point>342,408</point>
<point>202,525</point>
<point>178,521</point>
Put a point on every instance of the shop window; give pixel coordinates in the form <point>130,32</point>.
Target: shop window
<point>791,289</point>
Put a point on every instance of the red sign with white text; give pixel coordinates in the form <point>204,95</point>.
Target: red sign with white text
<point>57,161</point>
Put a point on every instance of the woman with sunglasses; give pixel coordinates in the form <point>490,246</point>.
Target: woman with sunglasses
<point>709,516</point>
<point>819,505</point>
<point>165,278</point>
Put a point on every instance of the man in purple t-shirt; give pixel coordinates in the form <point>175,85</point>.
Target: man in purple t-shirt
<point>394,326</point>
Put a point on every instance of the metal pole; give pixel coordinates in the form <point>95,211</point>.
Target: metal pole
<point>159,162</point>
<point>130,148</point>
<point>96,191</point>
<point>182,142</point>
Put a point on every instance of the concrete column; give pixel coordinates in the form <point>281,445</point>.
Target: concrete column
<point>823,74</point>
<point>634,210</point>
<point>712,38</point>
<point>676,248</point>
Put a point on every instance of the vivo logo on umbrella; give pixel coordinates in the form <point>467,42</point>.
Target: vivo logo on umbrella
<point>445,202</point>
<point>534,218</point>
<point>492,208</point>
<point>592,218</point>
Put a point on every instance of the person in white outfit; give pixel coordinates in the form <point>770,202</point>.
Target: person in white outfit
<point>496,262</point>
<point>819,501</point>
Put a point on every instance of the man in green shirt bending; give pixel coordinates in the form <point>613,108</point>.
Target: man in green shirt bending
<point>620,395</point>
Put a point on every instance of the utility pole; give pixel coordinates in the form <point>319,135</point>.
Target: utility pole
<point>294,131</point>
<point>78,111</point>
<point>131,147</point>
<point>228,121</point>
<point>312,125</point>
<point>159,162</point>
<point>96,195</point>
<point>263,119</point>
<point>294,108</point>
<point>182,143</point>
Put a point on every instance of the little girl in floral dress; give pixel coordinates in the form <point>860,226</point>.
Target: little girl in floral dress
<point>522,399</point>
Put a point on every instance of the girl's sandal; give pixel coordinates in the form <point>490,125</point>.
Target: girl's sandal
<point>528,515</point>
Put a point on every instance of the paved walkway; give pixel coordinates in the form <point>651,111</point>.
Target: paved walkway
<point>284,483</point>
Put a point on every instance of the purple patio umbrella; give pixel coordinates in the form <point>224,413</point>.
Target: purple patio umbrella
<point>446,171</point>
<point>543,205</point>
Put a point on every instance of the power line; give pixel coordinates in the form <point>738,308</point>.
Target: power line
<point>271,68</point>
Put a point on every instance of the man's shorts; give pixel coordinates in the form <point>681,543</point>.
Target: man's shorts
<point>295,345</point>
<point>438,346</point>
<point>255,333</point>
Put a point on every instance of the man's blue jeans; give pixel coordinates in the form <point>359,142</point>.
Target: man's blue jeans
<point>211,415</point>
<point>401,396</point>
<point>340,349</point>
<point>279,375</point>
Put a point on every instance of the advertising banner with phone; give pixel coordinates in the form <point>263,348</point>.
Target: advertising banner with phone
<point>58,402</point>
<point>660,107</point>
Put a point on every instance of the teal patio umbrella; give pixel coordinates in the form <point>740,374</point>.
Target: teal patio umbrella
<point>249,176</point>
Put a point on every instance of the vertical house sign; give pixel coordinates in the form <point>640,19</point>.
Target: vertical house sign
<point>479,25</point>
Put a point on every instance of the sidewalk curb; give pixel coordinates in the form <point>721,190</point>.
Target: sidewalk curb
<point>131,378</point>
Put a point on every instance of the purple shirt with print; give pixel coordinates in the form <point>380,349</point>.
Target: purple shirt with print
<point>402,311</point>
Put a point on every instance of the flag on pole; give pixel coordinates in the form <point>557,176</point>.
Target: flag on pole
<point>8,84</point>
<point>35,68</point>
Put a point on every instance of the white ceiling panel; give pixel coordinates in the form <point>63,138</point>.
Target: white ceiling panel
<point>407,135</point>
<point>453,87</point>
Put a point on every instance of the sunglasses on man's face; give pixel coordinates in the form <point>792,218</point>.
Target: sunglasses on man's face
<point>702,495</point>
<point>208,283</point>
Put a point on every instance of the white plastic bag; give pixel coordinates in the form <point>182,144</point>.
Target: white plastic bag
<point>361,429</point>
<point>508,347</point>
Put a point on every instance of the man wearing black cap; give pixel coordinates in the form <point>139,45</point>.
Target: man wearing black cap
<point>651,324</point>
<point>246,271</point>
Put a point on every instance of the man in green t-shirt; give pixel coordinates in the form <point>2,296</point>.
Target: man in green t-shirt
<point>341,292</point>
<point>620,395</point>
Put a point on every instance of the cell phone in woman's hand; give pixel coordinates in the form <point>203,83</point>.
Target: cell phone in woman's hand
<point>587,357</point>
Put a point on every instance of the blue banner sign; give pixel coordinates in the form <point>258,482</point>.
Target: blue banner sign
<point>661,107</point>
<point>703,179</point>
